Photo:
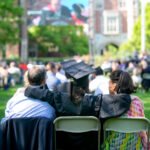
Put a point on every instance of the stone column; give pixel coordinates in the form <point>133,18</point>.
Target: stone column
<point>91,32</point>
<point>143,37</point>
<point>24,33</point>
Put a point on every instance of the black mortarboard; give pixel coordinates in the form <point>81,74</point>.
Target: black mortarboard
<point>68,63</point>
<point>79,70</point>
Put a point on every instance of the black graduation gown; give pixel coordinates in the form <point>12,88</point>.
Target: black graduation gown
<point>101,106</point>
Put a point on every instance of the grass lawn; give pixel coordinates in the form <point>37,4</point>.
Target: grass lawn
<point>6,95</point>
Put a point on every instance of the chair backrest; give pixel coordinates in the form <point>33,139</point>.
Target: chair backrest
<point>127,125</point>
<point>77,124</point>
<point>146,76</point>
<point>25,133</point>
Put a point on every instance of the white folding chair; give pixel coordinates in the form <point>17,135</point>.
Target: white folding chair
<point>127,125</point>
<point>77,124</point>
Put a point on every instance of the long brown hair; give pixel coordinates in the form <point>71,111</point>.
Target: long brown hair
<point>124,82</point>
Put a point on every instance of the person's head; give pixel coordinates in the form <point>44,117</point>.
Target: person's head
<point>36,76</point>
<point>99,71</point>
<point>139,69</point>
<point>12,64</point>
<point>131,65</point>
<point>143,64</point>
<point>115,65</point>
<point>59,67</point>
<point>121,82</point>
<point>78,73</point>
<point>56,4</point>
<point>79,88</point>
<point>51,67</point>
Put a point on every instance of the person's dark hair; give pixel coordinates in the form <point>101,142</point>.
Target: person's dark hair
<point>124,82</point>
<point>50,66</point>
<point>78,89</point>
<point>99,71</point>
<point>59,67</point>
<point>36,75</point>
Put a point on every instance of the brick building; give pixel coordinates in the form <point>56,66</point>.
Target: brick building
<point>111,22</point>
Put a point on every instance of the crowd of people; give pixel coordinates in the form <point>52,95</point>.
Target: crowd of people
<point>10,74</point>
<point>138,67</point>
<point>75,88</point>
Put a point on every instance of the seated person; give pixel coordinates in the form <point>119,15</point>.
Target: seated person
<point>121,82</point>
<point>100,84</point>
<point>21,106</point>
<point>15,73</point>
<point>5,77</point>
<point>52,81</point>
<point>136,77</point>
<point>72,98</point>
<point>145,71</point>
<point>61,74</point>
<point>116,104</point>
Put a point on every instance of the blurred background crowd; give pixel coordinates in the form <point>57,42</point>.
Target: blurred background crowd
<point>12,73</point>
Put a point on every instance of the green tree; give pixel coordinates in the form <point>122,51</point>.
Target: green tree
<point>135,42</point>
<point>9,21</point>
<point>69,40</point>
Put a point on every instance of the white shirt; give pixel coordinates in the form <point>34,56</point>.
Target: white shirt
<point>100,85</point>
<point>21,106</point>
<point>52,81</point>
<point>61,77</point>
<point>14,70</point>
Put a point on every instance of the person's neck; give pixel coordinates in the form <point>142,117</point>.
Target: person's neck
<point>114,93</point>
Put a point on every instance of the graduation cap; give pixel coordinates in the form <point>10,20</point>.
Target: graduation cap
<point>68,63</point>
<point>79,70</point>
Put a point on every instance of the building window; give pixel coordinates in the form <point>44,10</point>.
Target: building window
<point>111,22</point>
<point>122,4</point>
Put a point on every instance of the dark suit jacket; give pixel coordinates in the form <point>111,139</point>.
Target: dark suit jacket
<point>26,134</point>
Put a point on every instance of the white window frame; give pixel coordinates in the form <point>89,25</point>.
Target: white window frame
<point>114,15</point>
<point>122,2</point>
